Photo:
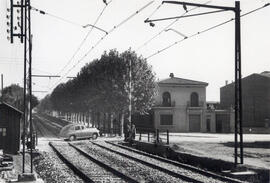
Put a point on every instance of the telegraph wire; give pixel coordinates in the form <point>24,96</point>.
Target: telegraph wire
<point>155,11</point>
<point>132,15</point>
<point>267,4</point>
<point>169,25</point>
<point>205,30</point>
<point>83,41</point>
<point>100,40</point>
<point>55,16</point>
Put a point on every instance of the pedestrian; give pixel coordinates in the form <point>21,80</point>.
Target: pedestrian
<point>126,131</point>
<point>132,134</point>
<point>133,131</point>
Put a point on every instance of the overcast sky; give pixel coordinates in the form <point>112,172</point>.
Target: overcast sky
<point>208,57</point>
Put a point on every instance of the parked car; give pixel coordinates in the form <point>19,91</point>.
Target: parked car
<point>77,131</point>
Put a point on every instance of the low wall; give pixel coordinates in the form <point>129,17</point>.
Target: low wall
<point>262,130</point>
<point>211,164</point>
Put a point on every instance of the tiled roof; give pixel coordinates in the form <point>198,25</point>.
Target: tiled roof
<point>181,81</point>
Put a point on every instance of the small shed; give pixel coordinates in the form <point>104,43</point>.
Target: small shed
<point>10,118</point>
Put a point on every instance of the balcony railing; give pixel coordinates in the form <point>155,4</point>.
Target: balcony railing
<point>160,104</point>
<point>199,105</point>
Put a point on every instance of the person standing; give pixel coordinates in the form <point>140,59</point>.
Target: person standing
<point>132,134</point>
<point>126,131</point>
<point>133,131</point>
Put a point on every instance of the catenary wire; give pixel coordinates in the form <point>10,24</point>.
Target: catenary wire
<point>169,25</point>
<point>68,21</point>
<point>83,41</point>
<point>155,11</point>
<point>55,16</point>
<point>100,40</point>
<point>205,30</point>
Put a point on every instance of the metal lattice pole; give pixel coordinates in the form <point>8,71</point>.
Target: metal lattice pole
<point>238,87</point>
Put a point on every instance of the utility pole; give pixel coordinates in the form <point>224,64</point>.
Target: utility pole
<point>30,82</point>
<point>238,86</point>
<point>22,30</point>
<point>130,96</point>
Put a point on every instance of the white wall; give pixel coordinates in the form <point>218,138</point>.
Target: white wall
<point>181,96</point>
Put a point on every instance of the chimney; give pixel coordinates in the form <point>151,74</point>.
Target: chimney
<point>226,82</point>
<point>171,75</point>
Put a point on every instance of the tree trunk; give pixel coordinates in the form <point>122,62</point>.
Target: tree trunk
<point>104,122</point>
<point>98,120</point>
<point>122,124</point>
<point>89,119</point>
<point>111,124</point>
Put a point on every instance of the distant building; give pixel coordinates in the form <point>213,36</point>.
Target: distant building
<point>255,99</point>
<point>180,105</point>
<point>219,120</point>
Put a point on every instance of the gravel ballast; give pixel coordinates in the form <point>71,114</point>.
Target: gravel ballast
<point>94,171</point>
<point>168,166</point>
<point>133,168</point>
<point>51,169</point>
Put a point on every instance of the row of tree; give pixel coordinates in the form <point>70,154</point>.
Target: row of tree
<point>13,95</point>
<point>102,87</point>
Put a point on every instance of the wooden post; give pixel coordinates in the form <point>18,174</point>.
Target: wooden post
<point>157,135</point>
<point>168,137</point>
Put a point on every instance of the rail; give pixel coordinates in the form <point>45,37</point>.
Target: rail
<point>189,167</point>
<point>76,170</point>
<point>105,166</point>
<point>169,172</point>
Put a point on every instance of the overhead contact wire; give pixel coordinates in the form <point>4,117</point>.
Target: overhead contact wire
<point>83,41</point>
<point>205,30</point>
<point>101,39</point>
<point>169,25</point>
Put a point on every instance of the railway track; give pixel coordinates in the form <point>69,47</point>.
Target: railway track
<point>81,162</point>
<point>173,168</point>
<point>44,128</point>
<point>188,167</point>
<point>149,172</point>
<point>112,162</point>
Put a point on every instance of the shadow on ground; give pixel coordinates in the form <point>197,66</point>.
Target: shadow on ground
<point>256,144</point>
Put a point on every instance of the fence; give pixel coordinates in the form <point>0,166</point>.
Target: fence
<point>153,136</point>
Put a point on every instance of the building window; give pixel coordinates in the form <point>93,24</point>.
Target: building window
<point>166,99</point>
<point>3,132</point>
<point>194,100</point>
<point>166,119</point>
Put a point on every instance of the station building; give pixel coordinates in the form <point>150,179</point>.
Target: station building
<point>181,107</point>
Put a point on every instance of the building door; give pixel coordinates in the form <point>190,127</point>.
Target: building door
<point>194,123</point>
<point>219,126</point>
<point>208,125</point>
<point>222,123</point>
